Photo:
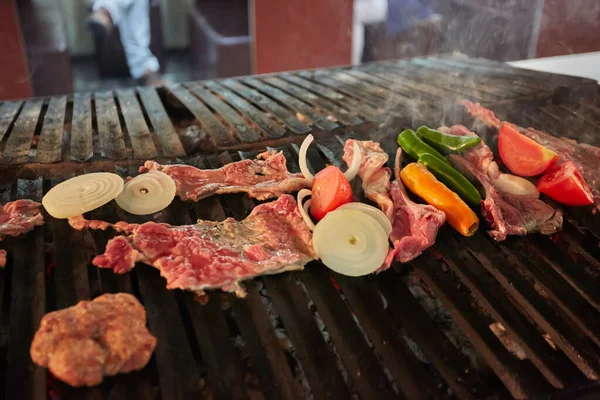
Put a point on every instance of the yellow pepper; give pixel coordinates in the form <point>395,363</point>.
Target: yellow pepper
<point>421,182</point>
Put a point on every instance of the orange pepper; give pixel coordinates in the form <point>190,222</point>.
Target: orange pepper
<point>421,182</point>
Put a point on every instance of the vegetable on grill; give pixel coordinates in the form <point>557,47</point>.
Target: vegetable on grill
<point>147,193</point>
<point>351,242</point>
<point>330,190</point>
<point>453,179</point>
<point>415,147</point>
<point>565,184</point>
<point>446,143</point>
<point>82,194</point>
<point>522,155</point>
<point>424,184</point>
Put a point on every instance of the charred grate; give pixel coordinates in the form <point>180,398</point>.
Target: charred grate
<point>245,113</point>
<point>424,330</point>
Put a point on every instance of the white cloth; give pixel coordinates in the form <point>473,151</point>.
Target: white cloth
<point>365,12</point>
<point>133,19</point>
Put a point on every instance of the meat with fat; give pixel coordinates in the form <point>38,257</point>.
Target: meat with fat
<point>18,217</point>
<point>509,214</point>
<point>414,226</point>
<point>211,255</point>
<point>263,178</point>
<point>82,344</point>
<point>586,157</point>
<point>373,173</point>
<point>480,155</point>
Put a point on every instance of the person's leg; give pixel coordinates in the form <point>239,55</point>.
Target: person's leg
<point>135,36</point>
<point>365,12</point>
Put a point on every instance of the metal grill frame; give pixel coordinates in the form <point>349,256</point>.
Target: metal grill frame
<point>309,333</point>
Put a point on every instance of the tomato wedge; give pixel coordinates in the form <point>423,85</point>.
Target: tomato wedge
<point>523,156</point>
<point>330,190</point>
<point>565,184</point>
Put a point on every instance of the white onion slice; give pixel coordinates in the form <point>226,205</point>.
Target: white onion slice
<point>512,184</point>
<point>302,157</point>
<point>82,194</point>
<point>302,194</point>
<point>147,193</point>
<point>355,165</point>
<point>372,211</point>
<point>350,242</point>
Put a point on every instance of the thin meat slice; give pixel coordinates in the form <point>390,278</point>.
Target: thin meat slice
<point>414,226</point>
<point>509,214</point>
<point>210,255</point>
<point>263,178</point>
<point>374,175</point>
<point>480,155</point>
<point>586,157</point>
<point>18,217</point>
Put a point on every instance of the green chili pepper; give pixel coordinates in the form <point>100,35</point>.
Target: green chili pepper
<point>415,147</point>
<point>447,143</point>
<point>452,178</point>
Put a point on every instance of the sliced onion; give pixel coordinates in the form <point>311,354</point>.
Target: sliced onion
<point>82,194</point>
<point>373,212</point>
<point>302,194</point>
<point>302,157</point>
<point>350,242</point>
<point>147,193</point>
<point>512,184</point>
<point>355,165</point>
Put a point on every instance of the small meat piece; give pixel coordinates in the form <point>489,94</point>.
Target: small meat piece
<point>264,178</point>
<point>584,156</point>
<point>375,177</point>
<point>209,255</point>
<point>510,214</point>
<point>16,218</point>
<point>480,155</point>
<point>414,227</point>
<point>19,217</point>
<point>82,344</point>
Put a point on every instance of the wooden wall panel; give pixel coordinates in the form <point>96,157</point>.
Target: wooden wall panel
<point>300,34</point>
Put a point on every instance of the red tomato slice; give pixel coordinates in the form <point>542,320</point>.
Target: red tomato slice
<point>565,184</point>
<point>330,190</point>
<point>523,156</point>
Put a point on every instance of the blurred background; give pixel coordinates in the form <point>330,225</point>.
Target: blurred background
<point>49,48</point>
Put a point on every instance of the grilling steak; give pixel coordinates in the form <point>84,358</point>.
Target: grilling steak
<point>414,226</point>
<point>83,343</point>
<point>18,217</point>
<point>264,178</point>
<point>509,214</point>
<point>584,156</point>
<point>209,255</point>
<point>373,173</point>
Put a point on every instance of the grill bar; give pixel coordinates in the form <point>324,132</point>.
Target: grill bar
<point>273,130</point>
<point>81,128</point>
<point>137,130</point>
<point>8,112</point>
<point>50,144</point>
<point>17,145</point>
<point>112,140</point>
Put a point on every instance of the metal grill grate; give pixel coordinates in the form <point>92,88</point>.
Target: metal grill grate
<point>421,330</point>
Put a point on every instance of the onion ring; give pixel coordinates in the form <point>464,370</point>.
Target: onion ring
<point>147,193</point>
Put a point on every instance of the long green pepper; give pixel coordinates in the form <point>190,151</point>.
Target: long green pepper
<point>446,143</point>
<point>415,147</point>
<point>453,179</point>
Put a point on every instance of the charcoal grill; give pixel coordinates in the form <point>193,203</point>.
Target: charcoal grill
<point>421,330</point>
